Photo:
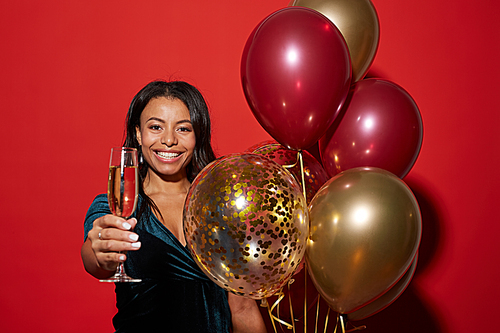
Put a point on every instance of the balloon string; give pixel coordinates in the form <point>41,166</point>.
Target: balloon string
<point>310,307</point>
<point>274,318</point>
<point>300,161</point>
<point>342,323</point>
<point>305,297</point>
<point>317,316</point>
<point>290,303</point>
<point>305,264</point>
<point>326,319</point>
<point>265,304</point>
<point>289,166</point>
<point>356,328</point>
<point>302,174</point>
<point>336,324</point>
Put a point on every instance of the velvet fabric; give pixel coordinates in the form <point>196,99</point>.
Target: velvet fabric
<point>174,295</point>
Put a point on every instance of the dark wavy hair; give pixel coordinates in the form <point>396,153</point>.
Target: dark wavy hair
<point>203,153</point>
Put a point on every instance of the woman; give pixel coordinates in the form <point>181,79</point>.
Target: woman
<point>169,124</point>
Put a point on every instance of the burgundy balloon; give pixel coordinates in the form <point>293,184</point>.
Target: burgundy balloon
<point>314,173</point>
<point>296,74</point>
<point>379,126</point>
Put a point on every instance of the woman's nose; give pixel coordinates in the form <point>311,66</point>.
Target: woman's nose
<point>169,139</point>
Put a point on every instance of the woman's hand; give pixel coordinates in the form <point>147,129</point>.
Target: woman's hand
<point>245,315</point>
<point>109,236</point>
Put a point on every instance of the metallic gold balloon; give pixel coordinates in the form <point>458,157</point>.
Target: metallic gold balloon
<point>365,232</point>
<point>314,174</point>
<point>246,224</point>
<point>358,22</point>
<point>387,298</point>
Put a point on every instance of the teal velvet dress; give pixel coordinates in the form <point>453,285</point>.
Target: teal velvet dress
<point>174,295</point>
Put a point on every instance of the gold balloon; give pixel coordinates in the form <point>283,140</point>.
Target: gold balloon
<point>365,232</point>
<point>246,224</point>
<point>357,20</point>
<point>387,298</point>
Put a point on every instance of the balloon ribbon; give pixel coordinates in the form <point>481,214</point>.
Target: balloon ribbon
<point>275,305</point>
<point>300,160</point>
<point>326,318</point>
<point>343,325</point>
<point>305,272</point>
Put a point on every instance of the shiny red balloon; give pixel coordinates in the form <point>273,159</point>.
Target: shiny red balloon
<point>380,126</point>
<point>296,73</point>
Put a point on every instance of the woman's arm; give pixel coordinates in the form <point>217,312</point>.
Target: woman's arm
<point>245,315</point>
<point>108,236</point>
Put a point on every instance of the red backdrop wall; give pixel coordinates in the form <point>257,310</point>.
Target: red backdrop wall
<point>70,68</point>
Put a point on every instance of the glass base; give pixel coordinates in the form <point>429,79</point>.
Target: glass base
<point>120,278</point>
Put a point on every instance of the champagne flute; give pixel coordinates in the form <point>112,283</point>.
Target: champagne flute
<point>123,190</point>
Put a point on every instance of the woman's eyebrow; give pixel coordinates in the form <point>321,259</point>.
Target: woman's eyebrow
<point>155,119</point>
<point>163,121</point>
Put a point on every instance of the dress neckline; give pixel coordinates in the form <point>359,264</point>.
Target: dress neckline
<point>165,229</point>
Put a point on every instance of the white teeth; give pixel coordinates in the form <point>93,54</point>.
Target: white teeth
<point>167,155</point>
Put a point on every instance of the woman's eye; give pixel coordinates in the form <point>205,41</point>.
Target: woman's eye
<point>185,129</point>
<point>155,127</point>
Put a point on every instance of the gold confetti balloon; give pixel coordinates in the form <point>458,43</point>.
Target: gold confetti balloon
<point>246,224</point>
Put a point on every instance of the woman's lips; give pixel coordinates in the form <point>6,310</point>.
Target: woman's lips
<point>167,155</point>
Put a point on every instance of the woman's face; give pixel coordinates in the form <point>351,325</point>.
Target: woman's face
<point>166,137</point>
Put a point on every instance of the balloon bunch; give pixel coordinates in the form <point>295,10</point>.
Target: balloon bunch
<point>251,218</point>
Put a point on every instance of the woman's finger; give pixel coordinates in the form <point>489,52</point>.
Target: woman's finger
<point>111,221</point>
<point>110,260</point>
<point>110,245</point>
<point>117,234</point>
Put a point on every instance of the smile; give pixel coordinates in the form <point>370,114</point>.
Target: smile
<point>167,155</point>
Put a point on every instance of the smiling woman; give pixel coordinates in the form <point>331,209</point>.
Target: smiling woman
<point>168,122</point>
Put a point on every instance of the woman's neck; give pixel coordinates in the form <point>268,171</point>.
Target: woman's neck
<point>154,183</point>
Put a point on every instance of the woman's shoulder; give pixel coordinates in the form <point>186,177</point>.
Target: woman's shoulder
<point>102,197</point>
<point>99,206</point>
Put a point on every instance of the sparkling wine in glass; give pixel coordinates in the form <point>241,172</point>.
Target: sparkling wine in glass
<point>123,190</point>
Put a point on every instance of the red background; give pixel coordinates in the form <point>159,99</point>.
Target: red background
<point>70,68</point>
